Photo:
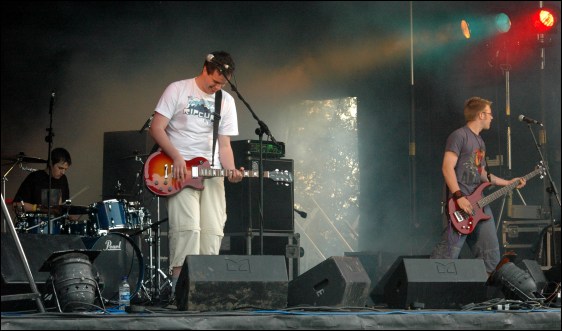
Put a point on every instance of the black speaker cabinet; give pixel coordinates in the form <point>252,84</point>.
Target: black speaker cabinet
<point>120,164</point>
<point>436,283</point>
<point>242,200</point>
<point>227,282</point>
<point>37,248</point>
<point>339,281</point>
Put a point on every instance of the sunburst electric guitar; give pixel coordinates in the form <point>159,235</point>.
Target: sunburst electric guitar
<point>158,171</point>
<point>465,223</point>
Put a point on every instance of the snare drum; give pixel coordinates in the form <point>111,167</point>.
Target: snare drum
<point>86,227</point>
<point>111,215</point>
<point>31,223</point>
<point>119,257</point>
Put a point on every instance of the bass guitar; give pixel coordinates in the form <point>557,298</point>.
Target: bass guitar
<point>465,223</point>
<point>158,171</point>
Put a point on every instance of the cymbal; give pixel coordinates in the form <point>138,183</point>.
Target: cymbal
<point>21,157</point>
<point>134,156</point>
<point>75,210</point>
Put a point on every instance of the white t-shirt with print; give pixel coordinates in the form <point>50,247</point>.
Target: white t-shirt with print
<point>190,112</point>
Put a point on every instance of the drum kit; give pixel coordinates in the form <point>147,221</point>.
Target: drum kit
<point>110,227</point>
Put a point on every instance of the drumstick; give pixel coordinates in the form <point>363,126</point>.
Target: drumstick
<point>79,192</point>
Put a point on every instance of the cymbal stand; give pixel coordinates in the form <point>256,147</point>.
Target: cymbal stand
<point>154,283</point>
<point>4,180</point>
<point>155,272</point>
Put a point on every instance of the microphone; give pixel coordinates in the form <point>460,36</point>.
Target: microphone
<point>523,118</point>
<point>52,99</point>
<point>147,123</point>
<point>300,212</point>
<point>211,59</point>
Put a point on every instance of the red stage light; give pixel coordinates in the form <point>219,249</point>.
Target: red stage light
<point>544,20</point>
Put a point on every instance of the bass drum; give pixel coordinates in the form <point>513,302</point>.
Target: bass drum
<point>119,257</point>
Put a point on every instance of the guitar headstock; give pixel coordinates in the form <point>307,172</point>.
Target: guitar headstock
<point>542,170</point>
<point>283,176</point>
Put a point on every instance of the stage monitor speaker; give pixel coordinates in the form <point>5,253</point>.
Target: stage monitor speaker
<point>37,249</point>
<point>436,283</point>
<point>285,244</point>
<point>378,265</point>
<point>242,200</point>
<point>339,281</point>
<point>227,282</point>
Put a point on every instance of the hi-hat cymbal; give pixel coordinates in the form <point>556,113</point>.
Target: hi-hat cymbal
<point>21,157</point>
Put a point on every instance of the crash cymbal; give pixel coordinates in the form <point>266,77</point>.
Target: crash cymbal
<point>21,157</point>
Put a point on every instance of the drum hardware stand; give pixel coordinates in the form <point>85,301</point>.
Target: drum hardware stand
<point>155,272</point>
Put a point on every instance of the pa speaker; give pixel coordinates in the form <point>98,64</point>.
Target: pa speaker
<point>37,248</point>
<point>339,281</point>
<point>436,283</point>
<point>227,282</point>
<point>242,200</point>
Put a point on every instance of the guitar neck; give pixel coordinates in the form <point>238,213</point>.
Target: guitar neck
<point>499,193</point>
<point>209,172</point>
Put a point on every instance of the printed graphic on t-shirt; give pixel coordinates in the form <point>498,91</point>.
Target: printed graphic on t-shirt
<point>473,168</point>
<point>200,108</point>
<point>55,197</point>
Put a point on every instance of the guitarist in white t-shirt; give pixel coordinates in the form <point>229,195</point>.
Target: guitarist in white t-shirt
<point>183,127</point>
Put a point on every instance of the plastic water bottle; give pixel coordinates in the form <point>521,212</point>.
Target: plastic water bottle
<point>124,294</point>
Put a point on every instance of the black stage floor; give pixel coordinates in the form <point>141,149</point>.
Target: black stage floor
<point>319,318</point>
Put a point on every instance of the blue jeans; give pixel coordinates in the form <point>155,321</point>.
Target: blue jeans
<point>483,243</point>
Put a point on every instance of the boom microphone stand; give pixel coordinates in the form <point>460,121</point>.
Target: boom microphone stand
<point>49,140</point>
<point>263,129</point>
<point>551,190</point>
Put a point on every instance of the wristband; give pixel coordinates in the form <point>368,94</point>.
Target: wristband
<point>457,195</point>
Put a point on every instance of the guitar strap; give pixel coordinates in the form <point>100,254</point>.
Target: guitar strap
<point>216,120</point>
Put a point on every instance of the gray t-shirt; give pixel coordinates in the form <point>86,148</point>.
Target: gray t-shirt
<point>471,150</point>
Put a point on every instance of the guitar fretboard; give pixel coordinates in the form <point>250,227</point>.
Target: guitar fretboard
<point>209,172</point>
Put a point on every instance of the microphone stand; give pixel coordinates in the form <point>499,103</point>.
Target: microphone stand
<point>551,190</point>
<point>263,129</point>
<point>49,140</point>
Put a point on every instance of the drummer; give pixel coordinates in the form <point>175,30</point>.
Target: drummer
<point>33,191</point>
